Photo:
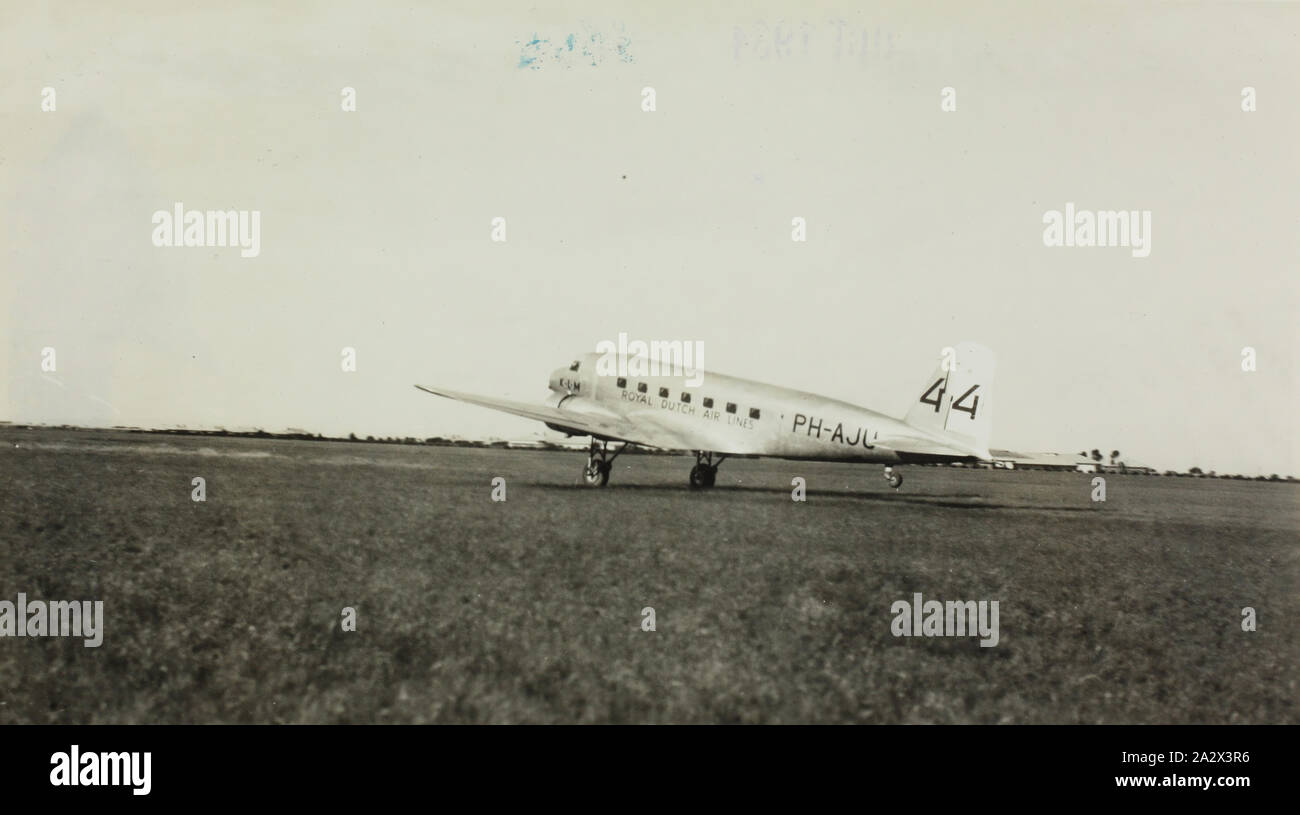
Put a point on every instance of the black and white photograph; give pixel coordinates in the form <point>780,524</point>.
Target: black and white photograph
<point>432,363</point>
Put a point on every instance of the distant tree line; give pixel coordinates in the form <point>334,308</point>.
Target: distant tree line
<point>1116,462</point>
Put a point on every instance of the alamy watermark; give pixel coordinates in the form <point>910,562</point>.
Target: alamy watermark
<point>90,769</point>
<point>181,227</point>
<point>55,618</point>
<point>655,358</point>
<point>955,618</point>
<point>1131,228</point>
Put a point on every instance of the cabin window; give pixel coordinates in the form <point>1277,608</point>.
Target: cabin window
<point>663,393</point>
<point>574,366</point>
<point>640,387</point>
<point>731,407</point>
<point>622,381</point>
<point>708,401</point>
<point>686,397</point>
<point>753,413</point>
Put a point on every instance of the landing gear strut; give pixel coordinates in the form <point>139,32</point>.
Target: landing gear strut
<point>600,462</point>
<point>705,471</point>
<point>895,480</point>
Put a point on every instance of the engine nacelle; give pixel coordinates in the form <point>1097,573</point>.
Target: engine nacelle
<point>578,406</point>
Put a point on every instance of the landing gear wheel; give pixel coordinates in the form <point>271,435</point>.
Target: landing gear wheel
<point>600,461</point>
<point>705,472</point>
<point>895,480</point>
<point>702,476</point>
<point>596,474</point>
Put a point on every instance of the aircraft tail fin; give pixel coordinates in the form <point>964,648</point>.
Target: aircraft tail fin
<point>956,400</point>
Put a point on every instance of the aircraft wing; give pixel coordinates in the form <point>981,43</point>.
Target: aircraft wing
<point>647,430</point>
<point>606,426</point>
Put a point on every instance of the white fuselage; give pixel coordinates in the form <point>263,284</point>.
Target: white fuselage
<point>739,416</point>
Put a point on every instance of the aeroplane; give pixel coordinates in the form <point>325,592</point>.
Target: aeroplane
<point>723,416</point>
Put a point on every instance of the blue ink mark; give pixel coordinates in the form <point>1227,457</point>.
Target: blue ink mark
<point>531,52</point>
<point>592,47</point>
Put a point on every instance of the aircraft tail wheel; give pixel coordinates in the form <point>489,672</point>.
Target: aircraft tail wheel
<point>596,474</point>
<point>895,480</point>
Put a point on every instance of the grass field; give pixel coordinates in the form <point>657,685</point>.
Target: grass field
<point>470,610</point>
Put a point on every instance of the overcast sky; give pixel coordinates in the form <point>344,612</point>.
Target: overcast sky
<point>925,227</point>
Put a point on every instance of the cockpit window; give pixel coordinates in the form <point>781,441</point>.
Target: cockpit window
<point>574,366</point>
